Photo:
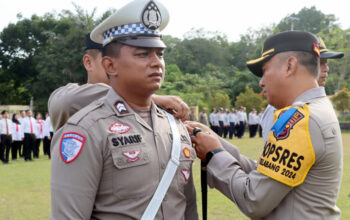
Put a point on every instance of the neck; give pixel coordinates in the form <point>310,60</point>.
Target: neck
<point>136,101</point>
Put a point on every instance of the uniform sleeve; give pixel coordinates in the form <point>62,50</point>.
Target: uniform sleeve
<point>246,163</point>
<point>67,100</point>
<point>74,185</point>
<point>255,194</point>
<point>191,203</point>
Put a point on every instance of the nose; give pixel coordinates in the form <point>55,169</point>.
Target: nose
<point>156,60</point>
<point>261,82</point>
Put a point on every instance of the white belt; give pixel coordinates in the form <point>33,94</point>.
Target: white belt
<point>168,175</point>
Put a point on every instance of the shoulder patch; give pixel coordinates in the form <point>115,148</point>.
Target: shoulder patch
<point>71,145</point>
<point>288,157</point>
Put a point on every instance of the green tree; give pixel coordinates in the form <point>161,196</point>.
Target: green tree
<point>250,100</point>
<point>341,100</point>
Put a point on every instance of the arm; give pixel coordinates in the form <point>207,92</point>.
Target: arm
<point>174,104</point>
<point>74,185</point>
<point>67,100</point>
<point>191,205</point>
<point>254,193</point>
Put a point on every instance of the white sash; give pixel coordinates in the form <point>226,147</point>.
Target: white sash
<point>168,175</point>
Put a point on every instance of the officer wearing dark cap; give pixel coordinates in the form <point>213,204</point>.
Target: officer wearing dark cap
<point>267,118</point>
<point>67,100</point>
<point>123,157</point>
<point>298,173</point>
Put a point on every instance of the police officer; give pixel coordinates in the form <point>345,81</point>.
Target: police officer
<point>298,174</point>
<point>109,158</point>
<point>267,118</point>
<point>67,100</point>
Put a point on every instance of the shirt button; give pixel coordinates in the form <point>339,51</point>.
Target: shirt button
<point>163,166</point>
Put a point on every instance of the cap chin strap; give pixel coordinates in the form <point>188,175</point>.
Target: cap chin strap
<point>168,175</point>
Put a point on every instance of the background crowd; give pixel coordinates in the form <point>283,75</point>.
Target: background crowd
<point>22,135</point>
<point>229,123</point>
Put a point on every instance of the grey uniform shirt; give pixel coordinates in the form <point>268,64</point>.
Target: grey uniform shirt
<point>68,99</point>
<point>120,165</point>
<point>261,197</point>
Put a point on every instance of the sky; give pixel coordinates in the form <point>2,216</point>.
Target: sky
<point>231,17</point>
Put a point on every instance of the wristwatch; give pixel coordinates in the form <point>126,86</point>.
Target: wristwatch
<point>210,154</point>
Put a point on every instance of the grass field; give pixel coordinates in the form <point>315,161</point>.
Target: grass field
<point>25,187</point>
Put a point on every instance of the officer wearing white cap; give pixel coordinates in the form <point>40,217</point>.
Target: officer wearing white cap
<point>67,100</point>
<point>123,157</point>
<point>298,173</point>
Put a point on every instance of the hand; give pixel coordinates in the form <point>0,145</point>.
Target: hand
<point>174,104</point>
<point>48,138</point>
<point>206,140</point>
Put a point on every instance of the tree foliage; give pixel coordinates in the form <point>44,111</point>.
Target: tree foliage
<point>341,100</point>
<point>41,53</point>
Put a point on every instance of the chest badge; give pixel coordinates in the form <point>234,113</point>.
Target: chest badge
<point>186,174</point>
<point>71,145</point>
<point>187,152</point>
<point>132,155</point>
<point>119,128</point>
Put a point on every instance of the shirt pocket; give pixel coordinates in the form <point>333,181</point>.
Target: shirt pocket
<point>131,171</point>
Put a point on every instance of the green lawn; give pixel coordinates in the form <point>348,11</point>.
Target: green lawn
<point>25,187</point>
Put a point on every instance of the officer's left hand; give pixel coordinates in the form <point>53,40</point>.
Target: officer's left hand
<point>206,140</point>
<point>174,104</point>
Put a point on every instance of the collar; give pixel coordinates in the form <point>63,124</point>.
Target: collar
<point>121,107</point>
<point>310,95</point>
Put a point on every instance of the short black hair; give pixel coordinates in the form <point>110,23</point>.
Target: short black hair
<point>310,61</point>
<point>3,112</point>
<point>112,49</point>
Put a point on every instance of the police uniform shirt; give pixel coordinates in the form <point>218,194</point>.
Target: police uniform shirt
<point>226,120</point>
<point>203,118</point>
<point>28,125</point>
<point>5,126</point>
<point>253,119</point>
<point>17,132</point>
<point>213,117</point>
<point>67,100</point>
<point>121,161</point>
<point>267,121</point>
<point>261,197</point>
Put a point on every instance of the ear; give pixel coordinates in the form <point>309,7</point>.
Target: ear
<point>87,60</point>
<point>292,65</point>
<point>110,65</point>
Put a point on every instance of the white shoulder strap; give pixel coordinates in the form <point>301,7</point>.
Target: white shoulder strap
<point>168,175</point>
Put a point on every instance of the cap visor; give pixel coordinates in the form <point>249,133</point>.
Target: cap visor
<point>255,66</point>
<point>144,41</point>
<point>331,55</point>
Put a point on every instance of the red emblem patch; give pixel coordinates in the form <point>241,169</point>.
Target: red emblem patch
<point>132,155</point>
<point>186,174</point>
<point>119,128</point>
<point>187,152</point>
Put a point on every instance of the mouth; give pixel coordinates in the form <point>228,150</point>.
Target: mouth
<point>156,75</point>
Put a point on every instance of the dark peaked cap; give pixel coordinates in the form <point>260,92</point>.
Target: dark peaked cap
<point>90,44</point>
<point>283,42</point>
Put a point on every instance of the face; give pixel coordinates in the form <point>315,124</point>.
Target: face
<point>272,80</point>
<point>38,116</point>
<point>5,115</point>
<point>16,116</point>
<point>29,113</point>
<point>23,114</point>
<point>139,70</point>
<point>323,73</point>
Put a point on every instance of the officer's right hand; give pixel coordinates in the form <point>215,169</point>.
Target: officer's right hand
<point>174,105</point>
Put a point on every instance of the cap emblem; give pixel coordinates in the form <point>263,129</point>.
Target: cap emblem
<point>317,50</point>
<point>151,17</point>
